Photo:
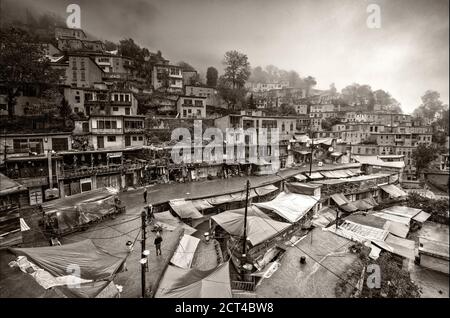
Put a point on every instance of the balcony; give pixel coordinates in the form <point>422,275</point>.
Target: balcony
<point>107,131</point>
<point>134,130</point>
<point>99,170</point>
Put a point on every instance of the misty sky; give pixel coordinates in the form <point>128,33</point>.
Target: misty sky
<point>327,39</point>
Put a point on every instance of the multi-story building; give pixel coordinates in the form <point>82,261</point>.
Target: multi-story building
<point>33,160</point>
<point>191,106</point>
<point>167,76</point>
<point>285,125</point>
<point>264,87</point>
<point>211,93</point>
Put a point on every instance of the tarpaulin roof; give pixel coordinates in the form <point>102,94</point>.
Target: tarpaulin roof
<point>398,246</point>
<point>393,190</point>
<point>201,204</point>
<point>375,161</point>
<point>251,210</point>
<point>82,208</point>
<point>343,202</point>
<point>364,204</point>
<point>300,177</point>
<point>314,175</point>
<point>240,196</point>
<point>324,217</point>
<point>335,174</point>
<point>325,141</point>
<point>184,254</point>
<point>185,209</point>
<point>8,186</point>
<point>403,211</point>
<point>259,229</point>
<point>290,206</point>
<point>170,223</point>
<point>94,262</point>
<point>193,283</point>
<point>359,232</point>
<point>398,225</point>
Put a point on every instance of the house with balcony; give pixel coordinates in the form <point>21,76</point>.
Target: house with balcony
<point>33,161</point>
<point>191,106</point>
<point>169,77</point>
<point>273,156</point>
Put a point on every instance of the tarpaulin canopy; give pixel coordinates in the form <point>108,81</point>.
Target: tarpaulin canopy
<point>240,196</point>
<point>336,174</point>
<point>170,223</point>
<point>251,210</point>
<point>324,217</point>
<point>393,191</point>
<point>290,206</point>
<point>300,177</point>
<point>376,161</point>
<point>364,204</point>
<point>398,225</point>
<point>184,254</point>
<point>403,211</point>
<point>93,262</point>
<point>8,186</point>
<point>82,208</point>
<point>314,175</point>
<point>343,202</point>
<point>259,229</point>
<point>201,204</point>
<point>398,246</point>
<point>183,283</point>
<point>185,209</point>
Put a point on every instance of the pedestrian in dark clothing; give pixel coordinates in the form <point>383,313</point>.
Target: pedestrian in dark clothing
<point>158,241</point>
<point>145,195</point>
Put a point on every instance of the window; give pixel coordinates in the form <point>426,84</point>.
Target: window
<point>111,138</point>
<point>76,110</point>
<point>36,145</point>
<point>188,101</point>
<point>199,112</point>
<point>184,113</point>
<point>134,138</point>
<point>127,111</point>
<point>141,138</point>
<point>77,99</point>
<point>100,124</point>
<point>107,125</point>
<point>60,144</point>
<point>127,97</point>
<point>198,103</point>
<point>20,145</point>
<point>114,124</point>
<point>115,109</point>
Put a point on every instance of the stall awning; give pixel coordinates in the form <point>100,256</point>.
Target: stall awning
<point>300,177</point>
<point>261,191</point>
<point>185,209</point>
<point>343,202</point>
<point>393,191</point>
<point>193,283</point>
<point>259,229</point>
<point>184,254</point>
<point>201,204</point>
<point>336,154</point>
<point>363,204</point>
<point>290,206</point>
<point>169,222</point>
<point>314,175</point>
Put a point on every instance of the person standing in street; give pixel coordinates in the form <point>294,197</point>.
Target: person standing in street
<point>145,195</point>
<point>158,241</point>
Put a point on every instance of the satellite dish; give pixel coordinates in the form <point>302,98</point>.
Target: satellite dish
<point>330,149</point>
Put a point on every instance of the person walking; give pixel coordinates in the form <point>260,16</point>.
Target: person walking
<point>158,241</point>
<point>145,195</point>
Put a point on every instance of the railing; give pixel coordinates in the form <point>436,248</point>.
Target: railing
<point>134,130</point>
<point>107,130</point>
<point>27,173</point>
<point>89,171</point>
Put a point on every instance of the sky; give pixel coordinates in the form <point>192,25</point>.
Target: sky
<point>327,39</point>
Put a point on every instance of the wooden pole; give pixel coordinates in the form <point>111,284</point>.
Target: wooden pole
<point>143,265</point>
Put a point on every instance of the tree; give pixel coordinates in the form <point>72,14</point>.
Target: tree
<point>287,110</point>
<point>110,46</point>
<point>23,63</point>
<point>328,123</point>
<point>186,66</point>
<point>423,155</point>
<point>251,102</point>
<point>431,106</point>
<point>64,109</point>
<point>237,69</point>
<point>211,76</point>
<point>232,96</point>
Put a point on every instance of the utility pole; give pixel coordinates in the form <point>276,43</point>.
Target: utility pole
<point>337,218</point>
<point>144,260</point>
<point>244,243</point>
